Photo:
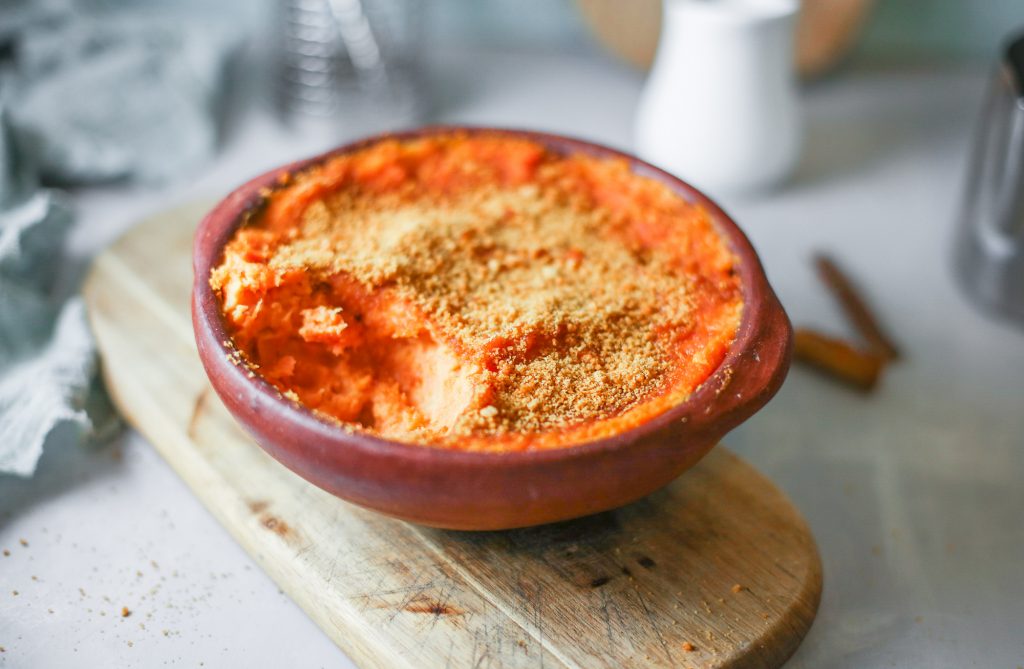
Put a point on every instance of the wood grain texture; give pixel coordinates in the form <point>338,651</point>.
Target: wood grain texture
<point>652,584</point>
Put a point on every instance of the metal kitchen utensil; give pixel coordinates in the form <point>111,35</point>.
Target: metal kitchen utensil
<point>989,252</point>
<point>352,64</point>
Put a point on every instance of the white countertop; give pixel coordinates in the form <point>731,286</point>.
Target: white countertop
<point>914,493</point>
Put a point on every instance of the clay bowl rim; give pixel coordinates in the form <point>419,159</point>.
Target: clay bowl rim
<point>759,306</point>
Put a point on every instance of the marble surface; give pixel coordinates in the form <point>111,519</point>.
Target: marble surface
<point>914,493</point>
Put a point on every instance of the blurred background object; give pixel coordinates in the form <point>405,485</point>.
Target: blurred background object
<point>826,30</point>
<point>879,31</point>
<point>831,30</point>
<point>930,31</point>
<point>720,107</point>
<point>351,63</point>
<point>990,246</point>
<point>633,35</point>
<point>99,94</point>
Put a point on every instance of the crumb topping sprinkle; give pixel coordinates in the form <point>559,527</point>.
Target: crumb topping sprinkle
<point>555,307</point>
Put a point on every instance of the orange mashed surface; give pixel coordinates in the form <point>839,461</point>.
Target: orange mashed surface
<point>479,292</point>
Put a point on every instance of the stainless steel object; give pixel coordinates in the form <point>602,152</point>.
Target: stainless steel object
<point>990,246</point>
<point>350,64</point>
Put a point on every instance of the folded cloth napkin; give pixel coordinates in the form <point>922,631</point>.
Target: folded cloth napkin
<point>85,98</point>
<point>47,357</point>
<point>120,95</point>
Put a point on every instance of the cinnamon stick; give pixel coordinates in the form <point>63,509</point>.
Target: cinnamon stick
<point>838,359</point>
<point>855,308</point>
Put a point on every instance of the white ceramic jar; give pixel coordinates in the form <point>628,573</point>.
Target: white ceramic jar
<point>720,108</point>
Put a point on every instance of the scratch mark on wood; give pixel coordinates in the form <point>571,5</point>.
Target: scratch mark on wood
<point>414,593</point>
<point>613,606</point>
<point>332,569</point>
<point>197,412</point>
<point>654,625</point>
<point>375,590</point>
<point>448,658</point>
<point>473,656</point>
<point>539,609</point>
<point>399,566</point>
<point>480,660</point>
<point>416,588</point>
<point>607,619</point>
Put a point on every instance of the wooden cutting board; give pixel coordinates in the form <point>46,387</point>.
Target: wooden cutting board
<point>717,570</point>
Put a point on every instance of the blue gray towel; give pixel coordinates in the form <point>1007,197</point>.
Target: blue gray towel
<point>83,99</point>
<point>47,359</point>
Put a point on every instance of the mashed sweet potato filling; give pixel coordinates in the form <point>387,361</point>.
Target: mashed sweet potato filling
<point>479,292</point>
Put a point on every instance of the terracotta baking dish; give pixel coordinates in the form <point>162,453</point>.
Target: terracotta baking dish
<point>466,490</point>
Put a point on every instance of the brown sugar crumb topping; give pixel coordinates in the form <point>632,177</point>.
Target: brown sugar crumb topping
<point>568,311</point>
<point>542,307</point>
